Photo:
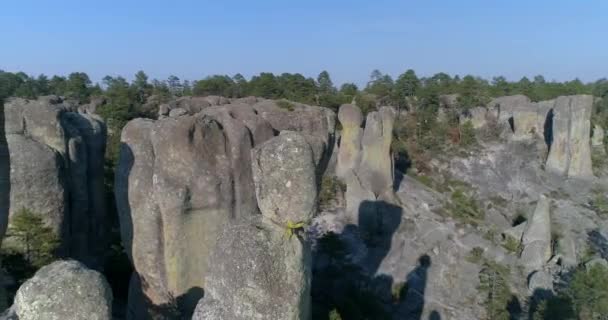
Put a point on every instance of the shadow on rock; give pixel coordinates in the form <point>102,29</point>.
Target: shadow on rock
<point>345,267</point>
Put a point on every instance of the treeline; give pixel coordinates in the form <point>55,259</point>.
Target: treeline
<point>126,100</point>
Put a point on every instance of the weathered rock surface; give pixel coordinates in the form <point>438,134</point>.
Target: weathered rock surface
<point>597,139</point>
<point>256,272</point>
<point>175,188</point>
<point>365,162</point>
<point>349,152</point>
<point>536,240</point>
<point>284,177</point>
<point>64,290</point>
<point>376,167</point>
<point>478,117</point>
<point>570,152</point>
<point>56,170</point>
<point>190,105</point>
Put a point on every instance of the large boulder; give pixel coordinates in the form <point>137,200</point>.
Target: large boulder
<point>317,125</point>
<point>56,170</point>
<point>175,189</point>
<point>597,140</point>
<point>284,176</point>
<point>190,105</point>
<point>376,167</point>
<point>536,239</point>
<point>504,107</point>
<point>257,271</point>
<point>349,152</point>
<point>570,151</point>
<point>365,162</point>
<point>478,117</point>
<point>64,290</point>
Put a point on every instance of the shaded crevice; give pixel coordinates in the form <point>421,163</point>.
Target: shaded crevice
<point>548,130</point>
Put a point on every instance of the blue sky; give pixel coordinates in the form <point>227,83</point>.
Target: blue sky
<point>192,39</point>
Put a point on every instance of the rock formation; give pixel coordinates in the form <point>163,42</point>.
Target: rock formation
<point>64,290</point>
<point>478,117</point>
<point>536,240</point>
<point>570,152</point>
<point>365,162</point>
<point>376,166</point>
<point>597,140</point>
<point>564,123</point>
<point>190,105</point>
<point>56,170</point>
<point>349,152</point>
<point>257,271</point>
<point>183,179</point>
<point>174,191</point>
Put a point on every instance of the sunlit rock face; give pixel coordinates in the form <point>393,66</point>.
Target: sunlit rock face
<point>56,168</point>
<point>564,123</point>
<point>184,180</point>
<point>597,140</point>
<point>256,271</point>
<point>570,152</point>
<point>175,189</point>
<point>365,162</point>
<point>349,153</point>
<point>64,290</point>
<point>536,239</point>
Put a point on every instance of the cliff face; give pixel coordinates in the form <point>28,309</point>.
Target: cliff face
<point>55,156</point>
<point>184,180</point>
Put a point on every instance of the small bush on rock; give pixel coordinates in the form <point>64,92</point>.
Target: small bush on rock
<point>331,190</point>
<point>493,279</point>
<point>464,208</point>
<point>33,238</point>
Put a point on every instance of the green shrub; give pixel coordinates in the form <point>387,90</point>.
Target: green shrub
<point>599,204</point>
<point>285,104</point>
<point>399,291</point>
<point>32,238</point>
<point>493,283</point>
<point>331,188</point>
<point>464,208</point>
<point>467,134</point>
<point>588,291</point>
<point>584,297</point>
<point>511,245</point>
<point>334,315</point>
<point>556,308</point>
<point>475,255</point>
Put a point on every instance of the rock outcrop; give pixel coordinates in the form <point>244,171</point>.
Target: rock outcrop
<point>478,117</point>
<point>564,123</point>
<point>175,188</point>
<point>349,152</point>
<point>56,170</point>
<point>182,180</point>
<point>570,152</point>
<point>597,140</point>
<point>536,240</point>
<point>376,166</point>
<point>365,162</point>
<point>257,271</point>
<point>190,105</point>
<point>64,290</point>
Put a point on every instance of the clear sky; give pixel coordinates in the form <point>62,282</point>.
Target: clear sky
<point>192,39</point>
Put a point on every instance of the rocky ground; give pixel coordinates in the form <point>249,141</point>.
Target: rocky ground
<point>217,201</point>
<point>449,226</point>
